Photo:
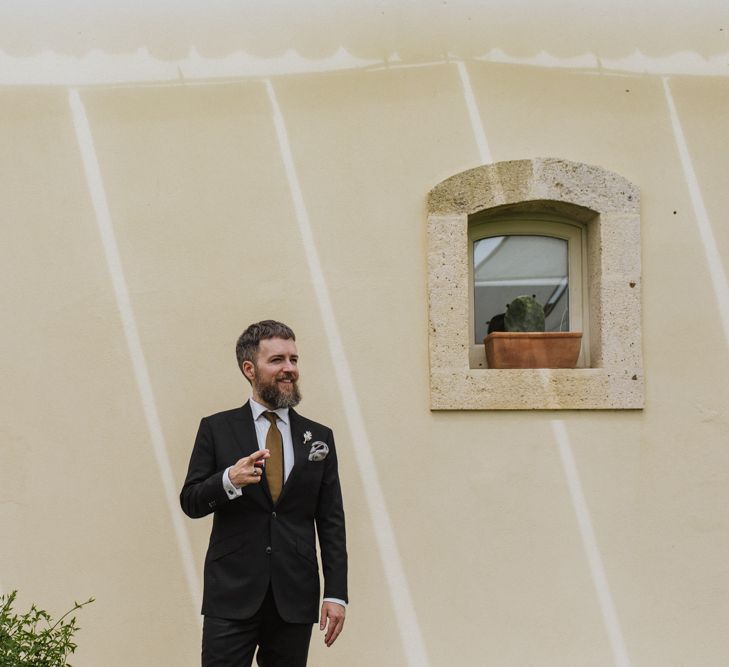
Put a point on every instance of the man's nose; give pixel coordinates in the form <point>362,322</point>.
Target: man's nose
<point>289,366</point>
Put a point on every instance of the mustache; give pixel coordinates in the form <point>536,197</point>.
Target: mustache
<point>287,375</point>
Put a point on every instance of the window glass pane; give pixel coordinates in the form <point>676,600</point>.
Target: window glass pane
<point>505,267</point>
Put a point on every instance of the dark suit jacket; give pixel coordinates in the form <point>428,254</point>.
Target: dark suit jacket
<point>254,543</point>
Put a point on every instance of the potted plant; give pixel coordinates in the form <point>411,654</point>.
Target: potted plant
<point>525,344</point>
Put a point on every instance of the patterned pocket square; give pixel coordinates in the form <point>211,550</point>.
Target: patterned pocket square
<point>318,451</point>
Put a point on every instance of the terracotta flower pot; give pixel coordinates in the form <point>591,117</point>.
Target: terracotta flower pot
<point>543,349</point>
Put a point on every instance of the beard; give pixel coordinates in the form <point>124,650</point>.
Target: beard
<point>271,394</point>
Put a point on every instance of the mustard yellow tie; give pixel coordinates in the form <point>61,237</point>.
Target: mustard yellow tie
<point>274,464</point>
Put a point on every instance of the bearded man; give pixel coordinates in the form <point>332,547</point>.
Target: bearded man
<point>269,477</point>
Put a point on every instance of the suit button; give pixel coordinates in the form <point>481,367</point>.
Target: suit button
<point>274,515</point>
<point>268,550</point>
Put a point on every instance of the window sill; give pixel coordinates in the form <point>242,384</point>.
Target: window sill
<point>535,389</point>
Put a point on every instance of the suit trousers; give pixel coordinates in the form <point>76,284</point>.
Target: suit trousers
<point>232,642</point>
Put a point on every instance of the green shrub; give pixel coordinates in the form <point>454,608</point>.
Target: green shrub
<point>29,640</point>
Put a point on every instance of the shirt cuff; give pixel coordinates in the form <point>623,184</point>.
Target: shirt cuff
<point>337,600</point>
<point>232,491</point>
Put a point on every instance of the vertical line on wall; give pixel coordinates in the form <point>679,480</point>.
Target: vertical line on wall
<point>579,504</point>
<point>95,184</point>
<point>708,240</point>
<point>473,114</point>
<point>410,633</point>
<point>589,542</point>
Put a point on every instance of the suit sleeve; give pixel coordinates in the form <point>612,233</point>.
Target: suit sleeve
<point>330,529</point>
<point>203,491</point>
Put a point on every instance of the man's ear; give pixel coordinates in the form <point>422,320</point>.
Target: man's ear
<point>249,370</point>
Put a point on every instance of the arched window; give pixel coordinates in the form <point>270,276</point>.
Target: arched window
<point>566,231</point>
<point>541,255</point>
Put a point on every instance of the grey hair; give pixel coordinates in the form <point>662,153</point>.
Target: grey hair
<point>246,348</point>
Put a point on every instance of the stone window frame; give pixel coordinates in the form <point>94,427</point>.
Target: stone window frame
<point>609,205</point>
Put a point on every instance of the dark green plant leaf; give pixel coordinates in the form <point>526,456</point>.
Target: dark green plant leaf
<point>32,639</point>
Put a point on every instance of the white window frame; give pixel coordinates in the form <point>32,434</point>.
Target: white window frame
<point>536,224</point>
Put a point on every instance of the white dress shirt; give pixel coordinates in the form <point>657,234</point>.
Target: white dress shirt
<point>262,425</point>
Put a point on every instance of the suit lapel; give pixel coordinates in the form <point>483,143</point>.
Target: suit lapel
<point>300,450</point>
<point>245,435</point>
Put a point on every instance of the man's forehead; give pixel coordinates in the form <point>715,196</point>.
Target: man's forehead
<point>272,346</point>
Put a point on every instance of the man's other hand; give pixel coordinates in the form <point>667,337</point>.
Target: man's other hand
<point>332,618</point>
<point>248,470</point>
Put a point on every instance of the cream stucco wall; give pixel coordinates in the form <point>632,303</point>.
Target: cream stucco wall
<point>499,552</point>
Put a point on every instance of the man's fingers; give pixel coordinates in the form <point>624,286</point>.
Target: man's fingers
<point>332,618</point>
<point>335,627</point>
<point>249,469</point>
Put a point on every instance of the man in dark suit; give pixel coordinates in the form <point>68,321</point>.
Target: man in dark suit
<point>269,476</point>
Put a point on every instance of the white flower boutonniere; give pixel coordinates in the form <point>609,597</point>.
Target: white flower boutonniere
<point>307,436</point>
